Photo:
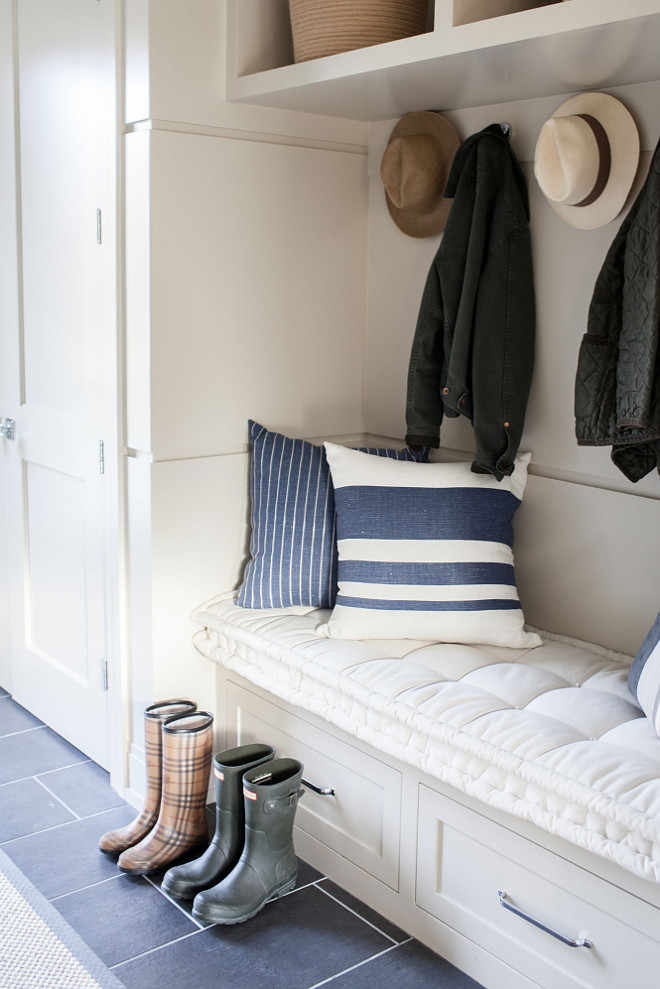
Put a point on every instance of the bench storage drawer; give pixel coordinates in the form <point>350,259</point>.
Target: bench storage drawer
<point>471,871</point>
<point>361,819</point>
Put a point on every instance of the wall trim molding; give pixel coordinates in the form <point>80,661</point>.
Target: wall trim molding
<point>541,470</point>
<point>234,134</point>
<point>345,439</point>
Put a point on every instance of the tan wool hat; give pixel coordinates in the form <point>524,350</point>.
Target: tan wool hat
<point>586,159</point>
<point>415,168</point>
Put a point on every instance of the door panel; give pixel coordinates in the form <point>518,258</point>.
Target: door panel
<point>55,605</point>
<point>56,494</point>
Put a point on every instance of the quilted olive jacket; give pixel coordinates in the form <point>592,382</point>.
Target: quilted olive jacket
<point>617,386</point>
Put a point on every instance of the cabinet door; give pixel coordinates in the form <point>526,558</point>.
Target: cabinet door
<point>58,356</point>
<point>352,799</point>
<point>555,923</point>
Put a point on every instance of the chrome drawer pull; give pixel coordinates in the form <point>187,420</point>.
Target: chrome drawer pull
<point>581,942</point>
<point>325,791</point>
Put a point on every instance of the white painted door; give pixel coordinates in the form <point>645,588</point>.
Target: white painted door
<point>61,349</point>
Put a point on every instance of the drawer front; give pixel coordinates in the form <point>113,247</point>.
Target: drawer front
<point>361,818</point>
<point>464,861</point>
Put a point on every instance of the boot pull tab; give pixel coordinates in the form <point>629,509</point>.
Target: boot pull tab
<point>289,800</point>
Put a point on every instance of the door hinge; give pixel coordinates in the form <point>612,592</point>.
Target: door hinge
<point>8,429</point>
<point>104,674</point>
<point>99,238</point>
<point>101,457</point>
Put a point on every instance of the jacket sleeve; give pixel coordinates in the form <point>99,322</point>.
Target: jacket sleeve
<point>423,404</point>
<point>503,361</point>
<point>640,319</point>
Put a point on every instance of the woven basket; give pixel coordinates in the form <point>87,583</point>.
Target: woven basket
<point>326,27</point>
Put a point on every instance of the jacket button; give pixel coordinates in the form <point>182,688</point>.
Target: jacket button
<point>445,391</point>
<point>506,425</point>
<point>462,401</point>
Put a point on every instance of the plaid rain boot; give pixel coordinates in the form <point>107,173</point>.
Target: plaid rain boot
<point>222,855</point>
<point>181,825</point>
<point>268,867</point>
<point>115,842</point>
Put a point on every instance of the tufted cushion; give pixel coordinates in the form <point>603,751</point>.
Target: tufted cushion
<point>551,735</point>
<point>293,553</point>
<point>425,551</point>
<point>644,678</point>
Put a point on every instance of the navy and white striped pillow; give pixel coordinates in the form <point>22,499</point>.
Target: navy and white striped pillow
<point>644,676</point>
<point>293,547</point>
<point>425,552</point>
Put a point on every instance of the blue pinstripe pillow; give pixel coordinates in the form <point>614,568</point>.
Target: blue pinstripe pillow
<point>293,549</point>
<point>644,676</point>
<point>425,552</point>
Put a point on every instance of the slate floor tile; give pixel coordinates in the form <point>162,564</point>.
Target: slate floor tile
<point>307,874</point>
<point>364,911</point>
<point>67,858</point>
<point>84,788</point>
<point>27,807</point>
<point>32,752</point>
<point>294,942</point>
<point>15,718</point>
<point>407,966</point>
<point>123,917</point>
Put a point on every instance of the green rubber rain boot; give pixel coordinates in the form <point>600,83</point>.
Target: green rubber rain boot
<point>267,867</point>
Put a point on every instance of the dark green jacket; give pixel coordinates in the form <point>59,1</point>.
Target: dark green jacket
<point>617,386</point>
<point>473,349</point>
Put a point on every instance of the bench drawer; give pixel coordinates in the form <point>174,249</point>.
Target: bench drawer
<point>361,819</point>
<point>465,865</point>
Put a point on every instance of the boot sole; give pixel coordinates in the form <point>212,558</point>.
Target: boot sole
<point>178,891</point>
<point>150,869</point>
<point>209,916</point>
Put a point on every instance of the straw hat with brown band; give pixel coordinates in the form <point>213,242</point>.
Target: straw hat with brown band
<point>415,168</point>
<point>586,159</point>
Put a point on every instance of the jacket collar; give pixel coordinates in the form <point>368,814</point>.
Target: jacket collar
<point>469,146</point>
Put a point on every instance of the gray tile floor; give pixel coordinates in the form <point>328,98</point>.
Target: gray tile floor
<point>55,803</point>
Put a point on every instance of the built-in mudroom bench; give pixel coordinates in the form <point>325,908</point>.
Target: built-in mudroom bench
<point>501,805</point>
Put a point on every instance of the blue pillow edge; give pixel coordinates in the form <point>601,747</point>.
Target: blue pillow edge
<point>648,645</point>
<point>256,432</point>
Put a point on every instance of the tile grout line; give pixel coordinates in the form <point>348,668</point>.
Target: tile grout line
<point>174,903</point>
<point>356,914</point>
<point>59,799</point>
<point>81,889</point>
<point>297,889</point>
<point>150,951</point>
<point>365,961</point>
<point>55,827</point>
<point>22,779</point>
<point>21,731</point>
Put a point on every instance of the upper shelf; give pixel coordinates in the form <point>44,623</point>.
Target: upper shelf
<point>553,49</point>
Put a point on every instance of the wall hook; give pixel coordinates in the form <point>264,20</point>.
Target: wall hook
<point>507,129</point>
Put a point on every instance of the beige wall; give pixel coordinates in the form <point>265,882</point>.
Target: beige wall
<point>246,234</point>
<point>587,539</point>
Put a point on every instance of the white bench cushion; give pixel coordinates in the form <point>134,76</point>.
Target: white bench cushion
<point>551,734</point>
